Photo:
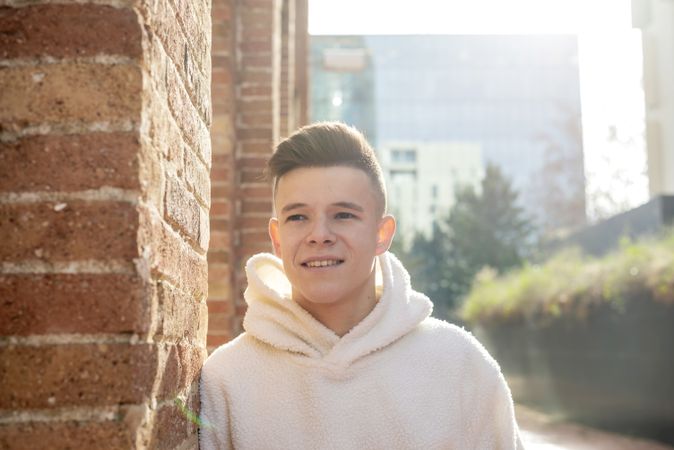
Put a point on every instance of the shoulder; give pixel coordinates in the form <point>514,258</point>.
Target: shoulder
<point>457,343</point>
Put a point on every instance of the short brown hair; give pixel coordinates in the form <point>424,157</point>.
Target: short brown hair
<point>327,144</point>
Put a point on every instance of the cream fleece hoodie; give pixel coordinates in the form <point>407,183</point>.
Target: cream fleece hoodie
<point>398,380</point>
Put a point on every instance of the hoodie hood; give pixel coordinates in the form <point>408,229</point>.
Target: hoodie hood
<point>274,318</point>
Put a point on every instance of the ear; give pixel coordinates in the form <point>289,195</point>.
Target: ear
<point>275,236</point>
<point>387,228</point>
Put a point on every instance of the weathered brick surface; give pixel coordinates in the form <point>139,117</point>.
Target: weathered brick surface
<point>72,303</point>
<point>180,371</point>
<point>94,160</point>
<point>186,49</point>
<point>179,315</point>
<point>68,435</point>
<point>194,130</point>
<point>68,31</point>
<point>46,94</point>
<point>50,376</point>
<point>68,231</point>
<point>96,97</point>
<point>182,208</point>
<point>170,257</point>
<point>173,424</point>
<point>198,181</point>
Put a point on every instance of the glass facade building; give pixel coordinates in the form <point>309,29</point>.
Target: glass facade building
<point>515,99</point>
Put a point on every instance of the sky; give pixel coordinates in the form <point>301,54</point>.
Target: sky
<point>609,63</point>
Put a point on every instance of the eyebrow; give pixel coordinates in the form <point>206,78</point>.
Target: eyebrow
<point>347,205</point>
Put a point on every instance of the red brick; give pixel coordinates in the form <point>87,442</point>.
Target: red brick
<point>180,315</point>
<point>220,239</point>
<point>250,46</point>
<point>253,223</point>
<point>220,307</point>
<point>258,162</point>
<point>197,177</point>
<point>218,257</point>
<point>221,77</point>
<point>188,118</point>
<point>51,376</point>
<point>69,303</point>
<point>216,340</point>
<point>260,191</point>
<point>264,148</point>
<point>256,105</point>
<point>219,321</point>
<point>170,257</point>
<point>255,176</point>
<point>35,94</point>
<point>221,10</point>
<point>219,224</point>
<point>256,206</point>
<point>248,248</point>
<point>259,119</point>
<point>222,160</point>
<point>173,427</point>
<point>255,238</point>
<point>218,272</point>
<point>220,208</point>
<point>257,60</point>
<point>220,192</point>
<point>68,31</point>
<point>182,208</point>
<point>81,230</point>
<point>94,160</point>
<point>66,435</point>
<point>183,363</point>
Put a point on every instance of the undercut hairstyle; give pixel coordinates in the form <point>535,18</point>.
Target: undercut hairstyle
<point>327,144</point>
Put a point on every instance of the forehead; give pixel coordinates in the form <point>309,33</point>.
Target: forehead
<point>317,185</point>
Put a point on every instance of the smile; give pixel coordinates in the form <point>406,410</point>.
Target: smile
<point>323,263</point>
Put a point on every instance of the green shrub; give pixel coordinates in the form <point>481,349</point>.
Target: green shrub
<point>570,284</point>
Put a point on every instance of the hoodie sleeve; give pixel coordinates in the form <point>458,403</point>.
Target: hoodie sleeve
<point>214,417</point>
<point>488,405</point>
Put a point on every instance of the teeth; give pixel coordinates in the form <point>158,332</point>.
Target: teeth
<point>324,263</point>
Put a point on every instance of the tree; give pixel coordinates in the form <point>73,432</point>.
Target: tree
<point>485,228</point>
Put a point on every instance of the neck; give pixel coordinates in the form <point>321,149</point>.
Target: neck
<point>342,316</point>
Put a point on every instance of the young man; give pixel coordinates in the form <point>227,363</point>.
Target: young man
<point>338,351</point>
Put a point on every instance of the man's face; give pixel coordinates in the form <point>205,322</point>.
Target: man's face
<point>327,232</point>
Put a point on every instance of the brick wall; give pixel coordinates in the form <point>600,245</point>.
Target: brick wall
<point>257,99</point>
<point>104,207</point>
<point>221,251</point>
<point>107,207</point>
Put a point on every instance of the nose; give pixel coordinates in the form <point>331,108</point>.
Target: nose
<point>320,233</point>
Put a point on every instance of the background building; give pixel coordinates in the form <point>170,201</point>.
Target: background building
<point>422,178</point>
<point>655,18</point>
<point>515,98</point>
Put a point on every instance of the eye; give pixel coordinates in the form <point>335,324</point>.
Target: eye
<point>345,215</point>
<point>295,218</point>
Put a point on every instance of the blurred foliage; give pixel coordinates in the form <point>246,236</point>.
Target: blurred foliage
<point>485,228</point>
<point>570,284</point>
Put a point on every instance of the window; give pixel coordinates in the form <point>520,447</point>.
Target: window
<point>404,155</point>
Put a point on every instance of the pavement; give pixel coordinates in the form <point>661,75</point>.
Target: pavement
<point>542,432</point>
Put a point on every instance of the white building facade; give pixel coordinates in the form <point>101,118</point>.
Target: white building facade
<point>422,179</point>
<point>655,18</point>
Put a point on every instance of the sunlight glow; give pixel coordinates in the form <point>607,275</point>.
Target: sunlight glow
<point>610,68</point>
<point>463,17</point>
